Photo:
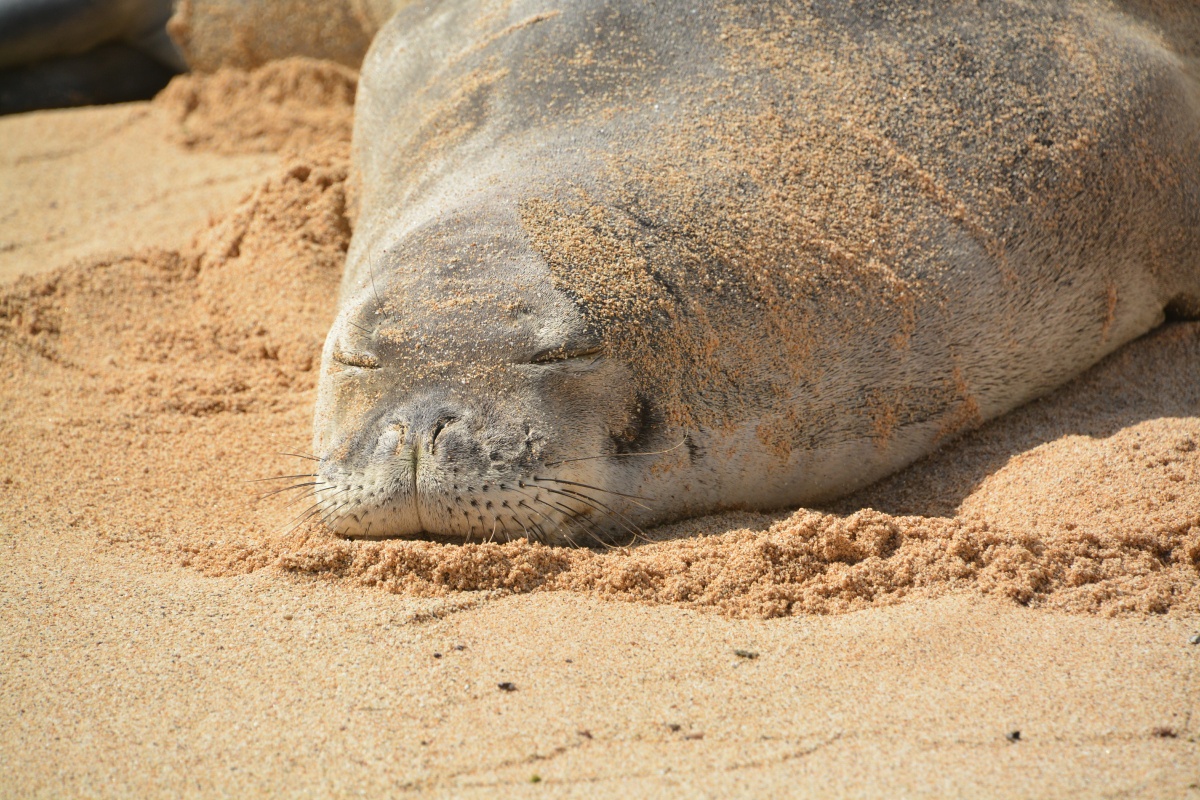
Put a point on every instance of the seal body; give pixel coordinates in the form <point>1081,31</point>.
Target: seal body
<point>616,264</point>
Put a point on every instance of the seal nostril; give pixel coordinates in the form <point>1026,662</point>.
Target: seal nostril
<point>439,426</point>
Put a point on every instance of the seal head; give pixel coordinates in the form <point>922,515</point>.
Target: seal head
<point>463,395</point>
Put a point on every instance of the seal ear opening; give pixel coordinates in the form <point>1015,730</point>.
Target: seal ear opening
<point>1183,307</point>
<point>639,430</point>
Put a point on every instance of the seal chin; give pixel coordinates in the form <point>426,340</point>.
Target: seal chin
<point>482,509</point>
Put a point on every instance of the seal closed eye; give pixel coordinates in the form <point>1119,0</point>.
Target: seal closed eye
<point>566,353</point>
<point>616,264</point>
<point>352,359</point>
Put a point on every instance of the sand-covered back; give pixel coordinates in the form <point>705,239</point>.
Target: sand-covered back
<point>147,392</point>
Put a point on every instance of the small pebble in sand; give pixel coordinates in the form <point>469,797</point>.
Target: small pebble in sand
<point>287,616</point>
<point>1013,736</point>
<point>437,655</point>
<point>745,654</point>
<point>1195,639</point>
<point>1164,732</point>
<point>507,686</point>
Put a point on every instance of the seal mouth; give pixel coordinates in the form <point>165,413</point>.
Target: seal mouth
<point>550,510</point>
<point>435,472</point>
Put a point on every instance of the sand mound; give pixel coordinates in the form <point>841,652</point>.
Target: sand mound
<point>286,105</point>
<point>233,33</point>
<point>143,394</point>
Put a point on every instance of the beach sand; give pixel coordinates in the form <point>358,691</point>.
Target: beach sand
<point>169,274</point>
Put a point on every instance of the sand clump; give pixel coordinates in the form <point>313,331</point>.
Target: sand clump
<point>142,393</point>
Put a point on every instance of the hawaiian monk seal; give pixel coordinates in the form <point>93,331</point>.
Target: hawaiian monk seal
<point>618,263</point>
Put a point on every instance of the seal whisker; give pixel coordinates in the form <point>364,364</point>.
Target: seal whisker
<point>598,489</point>
<point>301,455</point>
<point>576,516</point>
<point>307,514</point>
<point>315,509</point>
<point>564,530</point>
<point>345,513</point>
<point>538,534</point>
<point>682,442</point>
<point>542,533</point>
<point>559,526</point>
<point>316,492</point>
<point>523,528</point>
<point>532,510</point>
<point>293,487</point>
<point>310,494</point>
<point>373,289</point>
<point>599,506</point>
<point>594,502</point>
<point>282,477</point>
<point>325,517</point>
<point>504,529</point>
<point>333,519</point>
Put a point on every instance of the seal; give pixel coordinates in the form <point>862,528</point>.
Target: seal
<point>620,263</point>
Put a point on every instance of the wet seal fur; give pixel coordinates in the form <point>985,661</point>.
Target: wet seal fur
<point>616,264</point>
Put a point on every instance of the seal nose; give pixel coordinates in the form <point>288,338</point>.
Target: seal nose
<point>443,421</point>
<point>422,424</point>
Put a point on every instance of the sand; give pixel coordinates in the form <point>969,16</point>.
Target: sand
<point>107,179</point>
<point>167,631</point>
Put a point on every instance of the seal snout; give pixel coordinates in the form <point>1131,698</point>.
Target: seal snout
<point>430,437</point>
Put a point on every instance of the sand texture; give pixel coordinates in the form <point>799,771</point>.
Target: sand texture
<point>167,630</point>
<point>109,178</point>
